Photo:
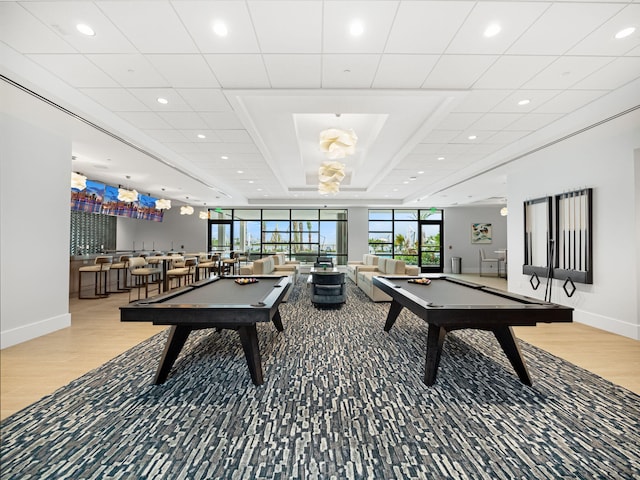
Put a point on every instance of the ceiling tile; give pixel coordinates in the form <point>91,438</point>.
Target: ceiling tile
<point>200,16</point>
<point>184,120</point>
<point>145,120</point>
<point>26,34</point>
<point>239,71</point>
<point>349,71</point>
<point>76,70</point>
<point>535,98</point>
<point>129,70</point>
<point>184,71</point>
<point>603,42</point>
<point>458,71</point>
<point>458,121</point>
<point>506,137</point>
<point>513,17</point>
<point>481,100</point>
<point>512,71</point>
<point>115,99</point>
<point>375,18</point>
<point>234,136</point>
<point>205,99</point>
<point>570,100</point>
<point>439,136</point>
<point>278,22</point>
<point>221,120</point>
<point>426,27</point>
<point>403,71</point>
<point>167,135</point>
<point>153,27</point>
<point>149,96</point>
<point>562,26</point>
<point>566,71</point>
<point>613,75</point>
<point>495,121</point>
<point>63,17</point>
<point>294,71</point>
<point>534,121</point>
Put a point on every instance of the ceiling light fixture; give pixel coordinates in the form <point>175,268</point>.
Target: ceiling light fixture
<point>330,174</point>
<point>204,215</point>
<point>163,204</point>
<point>625,32</point>
<point>504,211</point>
<point>492,30</point>
<point>440,158</point>
<point>85,30</point>
<point>78,181</point>
<point>356,29</point>
<point>186,210</point>
<point>338,143</point>
<point>127,196</point>
<point>472,137</point>
<point>200,135</point>
<point>524,101</point>
<point>220,29</point>
<point>163,101</point>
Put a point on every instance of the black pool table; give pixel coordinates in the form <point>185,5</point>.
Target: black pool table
<point>213,303</point>
<point>448,304</point>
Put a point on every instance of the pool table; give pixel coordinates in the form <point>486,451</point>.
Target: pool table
<point>448,304</point>
<point>213,303</point>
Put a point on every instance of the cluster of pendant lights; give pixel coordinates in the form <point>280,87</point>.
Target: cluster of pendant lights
<point>336,144</point>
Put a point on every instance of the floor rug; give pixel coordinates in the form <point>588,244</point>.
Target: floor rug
<point>342,399</point>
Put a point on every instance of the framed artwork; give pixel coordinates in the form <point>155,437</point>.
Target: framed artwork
<point>481,233</point>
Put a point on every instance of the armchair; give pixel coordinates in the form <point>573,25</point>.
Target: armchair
<point>328,288</point>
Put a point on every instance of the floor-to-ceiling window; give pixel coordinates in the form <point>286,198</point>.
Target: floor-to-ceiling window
<point>414,236</point>
<point>301,234</point>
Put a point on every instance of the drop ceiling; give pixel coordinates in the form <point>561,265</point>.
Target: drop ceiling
<point>244,112</point>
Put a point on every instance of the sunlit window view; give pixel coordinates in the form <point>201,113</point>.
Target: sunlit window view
<point>301,234</point>
<point>414,236</point>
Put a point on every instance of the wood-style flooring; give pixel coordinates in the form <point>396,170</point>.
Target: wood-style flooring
<point>34,369</point>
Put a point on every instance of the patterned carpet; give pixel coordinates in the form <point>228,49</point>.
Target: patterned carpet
<point>342,399</point>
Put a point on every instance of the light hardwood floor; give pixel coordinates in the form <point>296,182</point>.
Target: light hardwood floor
<point>34,369</point>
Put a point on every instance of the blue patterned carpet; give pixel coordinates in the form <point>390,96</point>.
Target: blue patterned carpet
<point>342,399</point>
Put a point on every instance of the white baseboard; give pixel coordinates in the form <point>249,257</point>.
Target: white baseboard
<point>608,324</point>
<point>33,330</point>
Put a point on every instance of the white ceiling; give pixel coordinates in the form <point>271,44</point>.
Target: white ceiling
<point>414,86</point>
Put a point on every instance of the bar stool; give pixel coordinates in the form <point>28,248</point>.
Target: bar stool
<point>122,265</point>
<point>188,272</point>
<point>228,265</point>
<point>142,276</point>
<point>101,271</point>
<point>207,263</point>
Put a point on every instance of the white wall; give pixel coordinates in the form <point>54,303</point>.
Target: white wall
<point>358,219</point>
<point>457,235</point>
<point>35,165</point>
<point>601,158</point>
<point>184,232</point>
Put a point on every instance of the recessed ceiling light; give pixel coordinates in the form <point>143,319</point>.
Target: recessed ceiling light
<point>259,189</point>
<point>440,158</point>
<point>240,171</point>
<point>250,181</point>
<point>524,101</point>
<point>163,101</point>
<point>85,30</point>
<point>625,32</point>
<point>472,137</point>
<point>200,135</point>
<point>220,29</point>
<point>405,182</point>
<point>224,157</point>
<point>420,172</point>
<point>356,29</point>
<point>492,30</point>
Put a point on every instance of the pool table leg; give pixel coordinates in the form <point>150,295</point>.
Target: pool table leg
<point>509,344</point>
<point>249,339</point>
<point>435,341</point>
<point>177,337</point>
<point>394,311</point>
<point>277,321</point>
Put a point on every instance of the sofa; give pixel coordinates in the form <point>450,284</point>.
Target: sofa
<point>271,266</point>
<point>368,260</point>
<point>385,266</point>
